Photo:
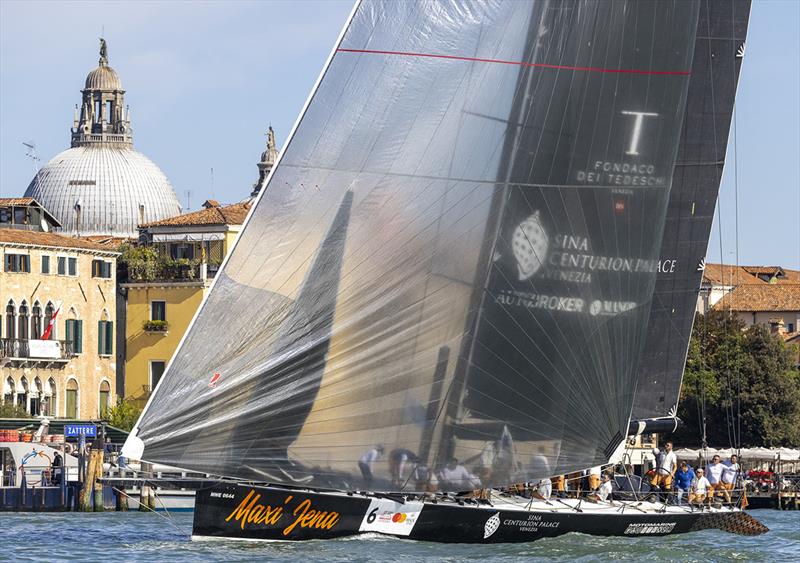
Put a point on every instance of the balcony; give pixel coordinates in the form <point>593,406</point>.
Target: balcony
<point>156,327</point>
<point>35,352</point>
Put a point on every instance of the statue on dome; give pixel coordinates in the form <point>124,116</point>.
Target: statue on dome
<point>103,52</point>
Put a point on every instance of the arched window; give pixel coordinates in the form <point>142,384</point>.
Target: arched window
<point>36,321</point>
<point>50,403</point>
<point>72,399</point>
<point>36,397</point>
<point>11,312</point>
<point>73,332</point>
<point>8,391</point>
<point>105,399</point>
<point>22,394</point>
<point>49,311</point>
<point>23,320</point>
<point>105,335</point>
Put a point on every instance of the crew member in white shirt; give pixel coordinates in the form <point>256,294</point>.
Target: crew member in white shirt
<point>366,463</point>
<point>604,492</point>
<point>730,471</point>
<point>714,476</point>
<point>666,465</point>
<point>700,488</point>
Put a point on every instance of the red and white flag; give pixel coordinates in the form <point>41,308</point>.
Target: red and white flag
<point>49,329</point>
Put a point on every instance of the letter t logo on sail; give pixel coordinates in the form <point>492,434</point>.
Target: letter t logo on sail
<point>637,129</point>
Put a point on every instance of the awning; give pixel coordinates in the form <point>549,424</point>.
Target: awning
<point>187,237</point>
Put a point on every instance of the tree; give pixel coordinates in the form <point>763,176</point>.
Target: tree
<point>742,383</point>
<point>10,410</point>
<point>124,414</point>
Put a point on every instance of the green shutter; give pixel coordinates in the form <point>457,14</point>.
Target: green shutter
<point>110,337</point>
<point>78,337</point>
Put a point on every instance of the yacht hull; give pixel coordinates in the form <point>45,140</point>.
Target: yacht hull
<point>245,512</point>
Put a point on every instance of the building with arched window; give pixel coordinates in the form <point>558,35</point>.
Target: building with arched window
<point>57,306</point>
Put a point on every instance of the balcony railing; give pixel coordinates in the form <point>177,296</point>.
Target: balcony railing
<point>174,273</point>
<point>32,351</point>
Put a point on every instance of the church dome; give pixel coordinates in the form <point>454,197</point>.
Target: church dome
<point>103,78</point>
<point>102,186</point>
<point>98,189</point>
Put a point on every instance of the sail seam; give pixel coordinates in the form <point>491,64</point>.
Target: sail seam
<point>518,63</point>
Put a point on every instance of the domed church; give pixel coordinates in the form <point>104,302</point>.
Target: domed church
<point>101,186</point>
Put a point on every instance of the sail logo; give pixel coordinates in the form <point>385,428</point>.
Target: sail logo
<point>636,134</point>
<point>303,514</point>
<point>214,380</point>
<point>529,243</point>
<point>491,526</point>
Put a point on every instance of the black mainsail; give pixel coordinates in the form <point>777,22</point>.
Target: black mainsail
<point>718,54</point>
<point>488,184</point>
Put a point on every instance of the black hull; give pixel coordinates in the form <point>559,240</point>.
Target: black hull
<point>275,514</point>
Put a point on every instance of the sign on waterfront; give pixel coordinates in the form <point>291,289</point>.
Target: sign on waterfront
<point>76,430</point>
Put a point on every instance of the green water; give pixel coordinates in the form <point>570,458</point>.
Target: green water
<point>133,536</point>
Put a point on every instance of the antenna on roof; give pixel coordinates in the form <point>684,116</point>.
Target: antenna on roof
<point>212,183</point>
<point>188,200</point>
<point>31,153</point>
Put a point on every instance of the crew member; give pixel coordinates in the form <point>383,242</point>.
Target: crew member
<point>700,488</point>
<point>398,459</point>
<point>714,474</point>
<point>604,492</point>
<point>730,472</point>
<point>666,465</point>
<point>367,461</point>
<point>683,480</point>
<point>455,477</point>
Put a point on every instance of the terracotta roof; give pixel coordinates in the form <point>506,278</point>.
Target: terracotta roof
<point>112,243</point>
<point>37,238</point>
<point>768,270</point>
<point>227,215</point>
<point>763,297</point>
<point>719,274</point>
<point>22,201</point>
<point>725,274</point>
<point>17,200</point>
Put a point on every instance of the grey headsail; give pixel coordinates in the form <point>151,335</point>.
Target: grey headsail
<point>718,54</point>
<point>454,255</point>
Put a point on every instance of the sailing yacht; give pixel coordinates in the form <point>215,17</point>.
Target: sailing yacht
<point>446,284</point>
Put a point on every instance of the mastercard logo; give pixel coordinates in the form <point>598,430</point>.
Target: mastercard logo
<point>399,517</point>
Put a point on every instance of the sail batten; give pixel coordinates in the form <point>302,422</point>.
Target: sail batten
<point>454,256</point>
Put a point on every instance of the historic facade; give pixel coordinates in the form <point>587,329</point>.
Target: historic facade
<point>57,310</point>
<point>163,296</point>
<point>101,185</point>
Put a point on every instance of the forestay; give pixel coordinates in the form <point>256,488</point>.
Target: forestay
<point>454,256</point>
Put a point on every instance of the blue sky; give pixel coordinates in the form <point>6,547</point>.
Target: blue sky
<point>205,79</point>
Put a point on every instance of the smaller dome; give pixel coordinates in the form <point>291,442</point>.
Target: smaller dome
<point>103,78</point>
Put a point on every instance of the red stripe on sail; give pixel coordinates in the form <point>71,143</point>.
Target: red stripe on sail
<point>519,63</point>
